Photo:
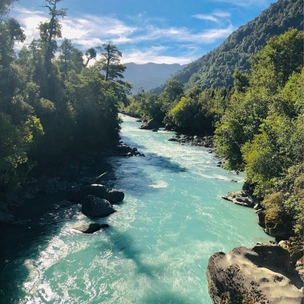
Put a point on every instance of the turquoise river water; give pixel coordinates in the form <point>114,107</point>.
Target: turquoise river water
<point>158,244</point>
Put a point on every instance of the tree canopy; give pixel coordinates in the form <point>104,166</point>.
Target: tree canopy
<point>54,108</point>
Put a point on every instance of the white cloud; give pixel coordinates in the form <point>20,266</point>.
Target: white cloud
<point>221,14</point>
<point>206,17</point>
<point>216,16</point>
<point>139,41</point>
<point>183,34</point>
<point>246,3</point>
<point>155,55</point>
<point>79,30</point>
<point>29,21</point>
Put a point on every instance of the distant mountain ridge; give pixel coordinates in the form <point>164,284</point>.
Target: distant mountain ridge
<point>216,68</point>
<point>149,75</point>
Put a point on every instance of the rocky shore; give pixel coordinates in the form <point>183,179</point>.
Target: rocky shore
<point>193,140</point>
<point>267,273</point>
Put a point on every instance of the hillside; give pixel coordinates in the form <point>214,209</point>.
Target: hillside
<point>149,75</point>
<point>216,68</point>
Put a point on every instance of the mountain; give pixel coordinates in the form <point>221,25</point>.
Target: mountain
<point>215,69</point>
<point>149,75</point>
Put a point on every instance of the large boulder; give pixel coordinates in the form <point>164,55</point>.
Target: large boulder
<point>114,196</point>
<point>262,274</point>
<point>150,125</point>
<point>96,207</point>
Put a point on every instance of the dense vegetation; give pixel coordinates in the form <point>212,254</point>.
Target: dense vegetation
<point>258,124</point>
<point>216,68</point>
<point>54,109</point>
<point>262,129</point>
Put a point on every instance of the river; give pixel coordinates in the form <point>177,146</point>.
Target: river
<point>158,244</point>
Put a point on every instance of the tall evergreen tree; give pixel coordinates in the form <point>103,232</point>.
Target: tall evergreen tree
<point>110,62</point>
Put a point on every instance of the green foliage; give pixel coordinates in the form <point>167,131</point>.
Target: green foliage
<point>191,117</point>
<point>4,7</point>
<point>147,105</point>
<point>240,81</point>
<point>70,58</point>
<point>52,109</point>
<point>262,130</point>
<point>15,141</point>
<point>282,56</point>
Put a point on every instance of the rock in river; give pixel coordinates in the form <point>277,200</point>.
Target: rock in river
<point>150,125</point>
<point>96,207</point>
<point>242,198</point>
<point>114,196</point>
<point>91,228</point>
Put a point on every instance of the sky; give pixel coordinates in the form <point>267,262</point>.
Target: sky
<point>159,31</point>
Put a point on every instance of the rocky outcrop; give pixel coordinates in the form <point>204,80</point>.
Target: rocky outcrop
<point>151,124</point>
<point>262,274</point>
<point>242,198</point>
<point>90,228</point>
<point>96,207</point>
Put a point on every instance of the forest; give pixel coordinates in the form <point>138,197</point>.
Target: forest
<point>58,105</point>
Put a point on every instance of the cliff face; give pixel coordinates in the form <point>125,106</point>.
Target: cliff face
<point>262,274</point>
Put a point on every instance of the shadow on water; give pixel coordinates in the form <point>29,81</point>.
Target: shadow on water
<point>164,163</point>
<point>155,159</point>
<point>123,243</point>
<point>133,172</point>
<point>40,219</point>
<point>40,223</point>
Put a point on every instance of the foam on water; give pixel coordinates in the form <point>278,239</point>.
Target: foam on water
<point>159,242</point>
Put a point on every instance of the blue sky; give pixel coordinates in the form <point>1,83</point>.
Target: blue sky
<point>160,31</point>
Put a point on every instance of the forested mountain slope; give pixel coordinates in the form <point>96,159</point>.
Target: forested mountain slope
<point>215,69</point>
